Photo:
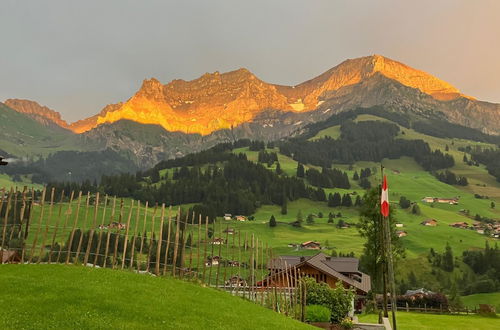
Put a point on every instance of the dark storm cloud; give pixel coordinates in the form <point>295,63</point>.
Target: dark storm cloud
<point>77,56</point>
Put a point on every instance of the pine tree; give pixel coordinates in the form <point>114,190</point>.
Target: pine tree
<point>415,209</point>
<point>310,219</point>
<point>278,169</point>
<point>355,176</point>
<point>336,200</point>
<point>447,263</point>
<point>346,200</point>
<point>331,216</point>
<point>299,217</point>
<point>320,214</point>
<point>272,221</point>
<point>492,205</point>
<point>358,201</point>
<point>284,207</point>
<point>300,170</point>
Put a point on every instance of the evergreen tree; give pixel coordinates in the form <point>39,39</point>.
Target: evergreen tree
<point>465,158</point>
<point>404,203</point>
<point>447,262</point>
<point>278,169</point>
<point>300,170</point>
<point>320,214</point>
<point>331,216</point>
<point>358,201</point>
<point>336,200</point>
<point>412,280</point>
<point>284,207</point>
<point>415,209</point>
<point>299,217</point>
<point>492,205</point>
<point>310,219</point>
<point>346,200</point>
<point>355,176</point>
<point>272,221</point>
<point>364,183</point>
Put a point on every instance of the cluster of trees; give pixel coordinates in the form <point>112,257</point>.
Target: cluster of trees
<point>336,200</point>
<point>491,158</point>
<point>364,173</point>
<point>75,166</point>
<point>445,261</point>
<point>328,178</point>
<point>236,186</point>
<point>257,145</point>
<point>267,157</point>
<point>364,141</point>
<point>486,266</point>
<point>449,177</point>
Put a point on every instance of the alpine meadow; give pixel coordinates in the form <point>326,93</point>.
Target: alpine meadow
<point>366,196</point>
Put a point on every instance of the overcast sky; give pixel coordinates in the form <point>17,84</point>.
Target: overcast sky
<point>78,56</point>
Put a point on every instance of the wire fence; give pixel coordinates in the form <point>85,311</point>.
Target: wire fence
<point>102,231</point>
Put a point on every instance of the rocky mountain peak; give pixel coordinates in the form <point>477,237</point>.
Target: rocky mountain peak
<point>36,111</point>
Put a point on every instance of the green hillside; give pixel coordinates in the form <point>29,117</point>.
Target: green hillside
<point>74,297</point>
<point>22,136</point>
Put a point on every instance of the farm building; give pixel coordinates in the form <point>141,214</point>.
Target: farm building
<point>311,245</point>
<point>461,224</point>
<point>217,241</point>
<point>401,233</point>
<point>227,216</point>
<point>399,225</point>
<point>429,222</point>
<point>229,231</point>
<point>241,218</point>
<point>451,201</point>
<point>320,267</point>
<point>212,261</point>
<point>236,281</point>
<point>10,256</point>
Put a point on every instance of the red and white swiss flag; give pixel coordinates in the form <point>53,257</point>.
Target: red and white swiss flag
<point>384,198</point>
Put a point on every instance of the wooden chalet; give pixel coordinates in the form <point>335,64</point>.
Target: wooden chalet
<point>320,267</point>
<point>461,224</point>
<point>401,233</point>
<point>10,257</point>
<point>311,245</point>
<point>218,241</point>
<point>429,222</point>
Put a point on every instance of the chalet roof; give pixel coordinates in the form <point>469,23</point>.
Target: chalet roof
<point>310,242</point>
<point>8,255</point>
<point>326,264</point>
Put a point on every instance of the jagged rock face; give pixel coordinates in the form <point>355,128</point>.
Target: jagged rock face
<point>207,104</point>
<point>235,99</point>
<point>87,124</point>
<point>36,111</point>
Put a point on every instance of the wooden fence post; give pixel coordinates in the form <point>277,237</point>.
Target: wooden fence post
<point>108,234</point>
<point>92,231</point>
<point>205,250</point>
<point>46,231</point>
<point>134,238</point>
<point>117,235</point>
<point>143,238</point>
<point>152,237</point>
<point>101,227</point>
<point>199,248</point>
<point>42,204</point>
<point>160,239</point>
<point>59,214</point>
<point>168,239</point>
<point>80,241</point>
<point>227,256</point>
<point>4,229</point>
<point>211,254</point>
<point>191,239</point>
<point>219,253</point>
<point>176,242</point>
<point>127,230</point>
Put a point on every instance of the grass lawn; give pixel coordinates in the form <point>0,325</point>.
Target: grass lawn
<point>74,297</point>
<point>419,321</point>
<point>474,300</point>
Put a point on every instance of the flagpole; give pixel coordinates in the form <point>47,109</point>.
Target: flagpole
<point>384,249</point>
<point>390,268</point>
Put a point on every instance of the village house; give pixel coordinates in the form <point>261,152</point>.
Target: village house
<point>311,245</point>
<point>212,261</point>
<point>401,233</point>
<point>217,241</point>
<point>10,256</point>
<point>293,245</point>
<point>241,218</point>
<point>227,216</point>
<point>451,201</point>
<point>399,225</point>
<point>321,268</point>
<point>429,222</point>
<point>229,231</point>
<point>461,224</point>
<point>236,281</point>
<point>233,263</point>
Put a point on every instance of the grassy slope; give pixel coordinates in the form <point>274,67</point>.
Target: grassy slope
<point>482,298</point>
<point>6,182</point>
<point>419,321</point>
<point>70,297</point>
<point>23,136</point>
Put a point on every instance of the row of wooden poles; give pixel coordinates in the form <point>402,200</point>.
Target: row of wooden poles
<point>32,221</point>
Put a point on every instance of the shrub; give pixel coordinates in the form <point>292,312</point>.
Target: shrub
<point>317,313</point>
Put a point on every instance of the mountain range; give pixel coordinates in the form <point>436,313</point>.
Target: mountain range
<point>169,120</point>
